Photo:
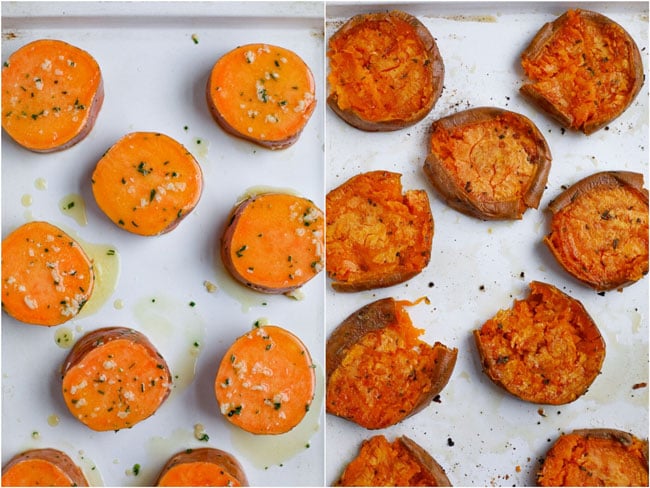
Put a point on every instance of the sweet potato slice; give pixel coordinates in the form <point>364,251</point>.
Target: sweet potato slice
<point>273,242</point>
<point>399,463</point>
<point>375,235</point>
<point>262,93</point>
<point>42,467</point>
<point>266,381</point>
<point>386,72</point>
<point>52,93</point>
<point>46,275</point>
<point>202,467</point>
<point>114,378</point>
<point>488,162</point>
<point>599,229</point>
<point>146,183</point>
<point>378,370</point>
<point>585,70</point>
<point>545,349</point>
<point>596,457</point>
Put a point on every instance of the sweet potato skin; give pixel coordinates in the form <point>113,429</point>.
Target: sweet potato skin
<point>545,349</point>
<point>126,410</point>
<point>400,463</point>
<point>602,101</point>
<point>426,95</point>
<point>604,245</point>
<point>381,403</point>
<point>62,471</point>
<point>226,461</point>
<point>48,61</point>
<point>376,236</point>
<point>514,152</point>
<point>596,457</point>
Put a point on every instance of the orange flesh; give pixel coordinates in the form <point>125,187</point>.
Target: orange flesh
<point>46,275</point>
<point>545,349</point>
<point>602,236</point>
<point>578,461</point>
<point>276,242</point>
<point>266,381</point>
<point>383,375</point>
<point>381,70</point>
<point>48,90</point>
<point>146,183</point>
<point>116,385</point>
<point>584,70</point>
<point>381,463</point>
<point>35,472</point>
<point>197,474</point>
<point>263,92</point>
<point>374,231</point>
<point>493,160</point>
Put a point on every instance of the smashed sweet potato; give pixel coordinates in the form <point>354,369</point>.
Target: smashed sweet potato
<point>399,463</point>
<point>375,235</point>
<point>545,349</point>
<point>585,69</point>
<point>488,162</point>
<point>386,72</point>
<point>596,457</point>
<point>599,229</point>
<point>378,370</point>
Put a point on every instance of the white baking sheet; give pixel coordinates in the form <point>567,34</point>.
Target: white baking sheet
<point>155,59</point>
<point>478,433</point>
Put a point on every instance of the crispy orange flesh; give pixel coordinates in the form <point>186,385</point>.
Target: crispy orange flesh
<point>50,92</point>
<point>545,349</point>
<point>197,474</point>
<point>384,463</point>
<point>381,69</point>
<point>601,236</point>
<point>262,92</point>
<point>266,381</point>
<point>579,460</point>
<point>585,71</point>
<point>146,183</point>
<point>384,375</point>
<point>36,472</point>
<point>375,235</point>
<point>46,275</point>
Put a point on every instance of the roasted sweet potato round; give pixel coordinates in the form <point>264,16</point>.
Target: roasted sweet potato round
<point>599,229</point>
<point>386,72</point>
<point>202,467</point>
<point>585,69</point>
<point>545,349</point>
<point>378,370</point>
<point>399,463</point>
<point>375,235</point>
<point>42,467</point>
<point>596,457</point>
<point>488,162</point>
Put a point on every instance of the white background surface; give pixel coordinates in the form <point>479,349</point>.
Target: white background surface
<point>493,432</point>
<point>154,79</point>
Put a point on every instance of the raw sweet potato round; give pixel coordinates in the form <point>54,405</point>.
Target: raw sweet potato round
<point>599,229</point>
<point>386,72</point>
<point>399,463</point>
<point>585,69</point>
<point>545,349</point>
<point>488,162</point>
<point>202,467</point>
<point>42,467</point>
<point>596,457</point>
<point>378,370</point>
<point>376,236</point>
<point>52,93</point>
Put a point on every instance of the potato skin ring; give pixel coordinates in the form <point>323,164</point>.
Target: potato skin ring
<point>352,59</point>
